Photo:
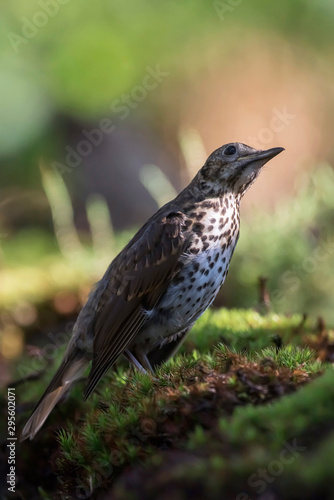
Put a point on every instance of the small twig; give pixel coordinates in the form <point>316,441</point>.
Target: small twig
<point>264,298</point>
<point>298,329</point>
<point>321,326</point>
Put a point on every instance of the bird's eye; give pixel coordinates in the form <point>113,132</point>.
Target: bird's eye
<point>230,150</point>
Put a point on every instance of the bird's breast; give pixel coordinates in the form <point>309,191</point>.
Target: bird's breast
<point>212,233</point>
<point>212,236</point>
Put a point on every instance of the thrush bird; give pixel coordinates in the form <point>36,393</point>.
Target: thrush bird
<point>162,281</point>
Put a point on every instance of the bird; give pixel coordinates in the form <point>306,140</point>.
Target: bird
<point>162,281</point>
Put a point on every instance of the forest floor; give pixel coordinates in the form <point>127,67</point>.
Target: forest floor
<point>245,410</point>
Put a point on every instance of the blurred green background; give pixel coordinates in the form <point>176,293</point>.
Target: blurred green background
<point>108,108</point>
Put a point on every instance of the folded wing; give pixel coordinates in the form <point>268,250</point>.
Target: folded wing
<point>136,280</point>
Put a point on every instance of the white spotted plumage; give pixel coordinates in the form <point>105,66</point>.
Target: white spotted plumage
<point>196,285</point>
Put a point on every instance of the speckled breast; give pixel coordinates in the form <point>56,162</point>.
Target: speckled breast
<point>214,231</point>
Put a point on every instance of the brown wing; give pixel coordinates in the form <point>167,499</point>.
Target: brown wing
<point>137,279</point>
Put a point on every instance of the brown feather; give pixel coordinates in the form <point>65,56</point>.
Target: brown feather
<point>137,279</point>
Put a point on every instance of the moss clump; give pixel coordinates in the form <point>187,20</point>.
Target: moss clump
<point>280,451</point>
<point>232,363</point>
<point>173,412</point>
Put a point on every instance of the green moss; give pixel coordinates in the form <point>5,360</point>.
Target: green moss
<point>284,449</point>
<point>244,329</point>
<point>176,413</point>
<point>293,357</point>
<point>226,401</point>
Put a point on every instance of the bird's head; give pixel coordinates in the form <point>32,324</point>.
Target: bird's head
<point>233,168</point>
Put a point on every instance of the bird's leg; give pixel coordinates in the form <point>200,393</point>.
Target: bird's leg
<point>145,362</point>
<point>140,361</point>
<point>134,361</point>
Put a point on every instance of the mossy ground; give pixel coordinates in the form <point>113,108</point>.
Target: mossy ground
<point>236,414</point>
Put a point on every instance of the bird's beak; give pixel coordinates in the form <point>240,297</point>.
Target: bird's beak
<point>266,155</point>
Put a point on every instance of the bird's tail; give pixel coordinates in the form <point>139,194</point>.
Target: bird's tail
<point>70,370</point>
